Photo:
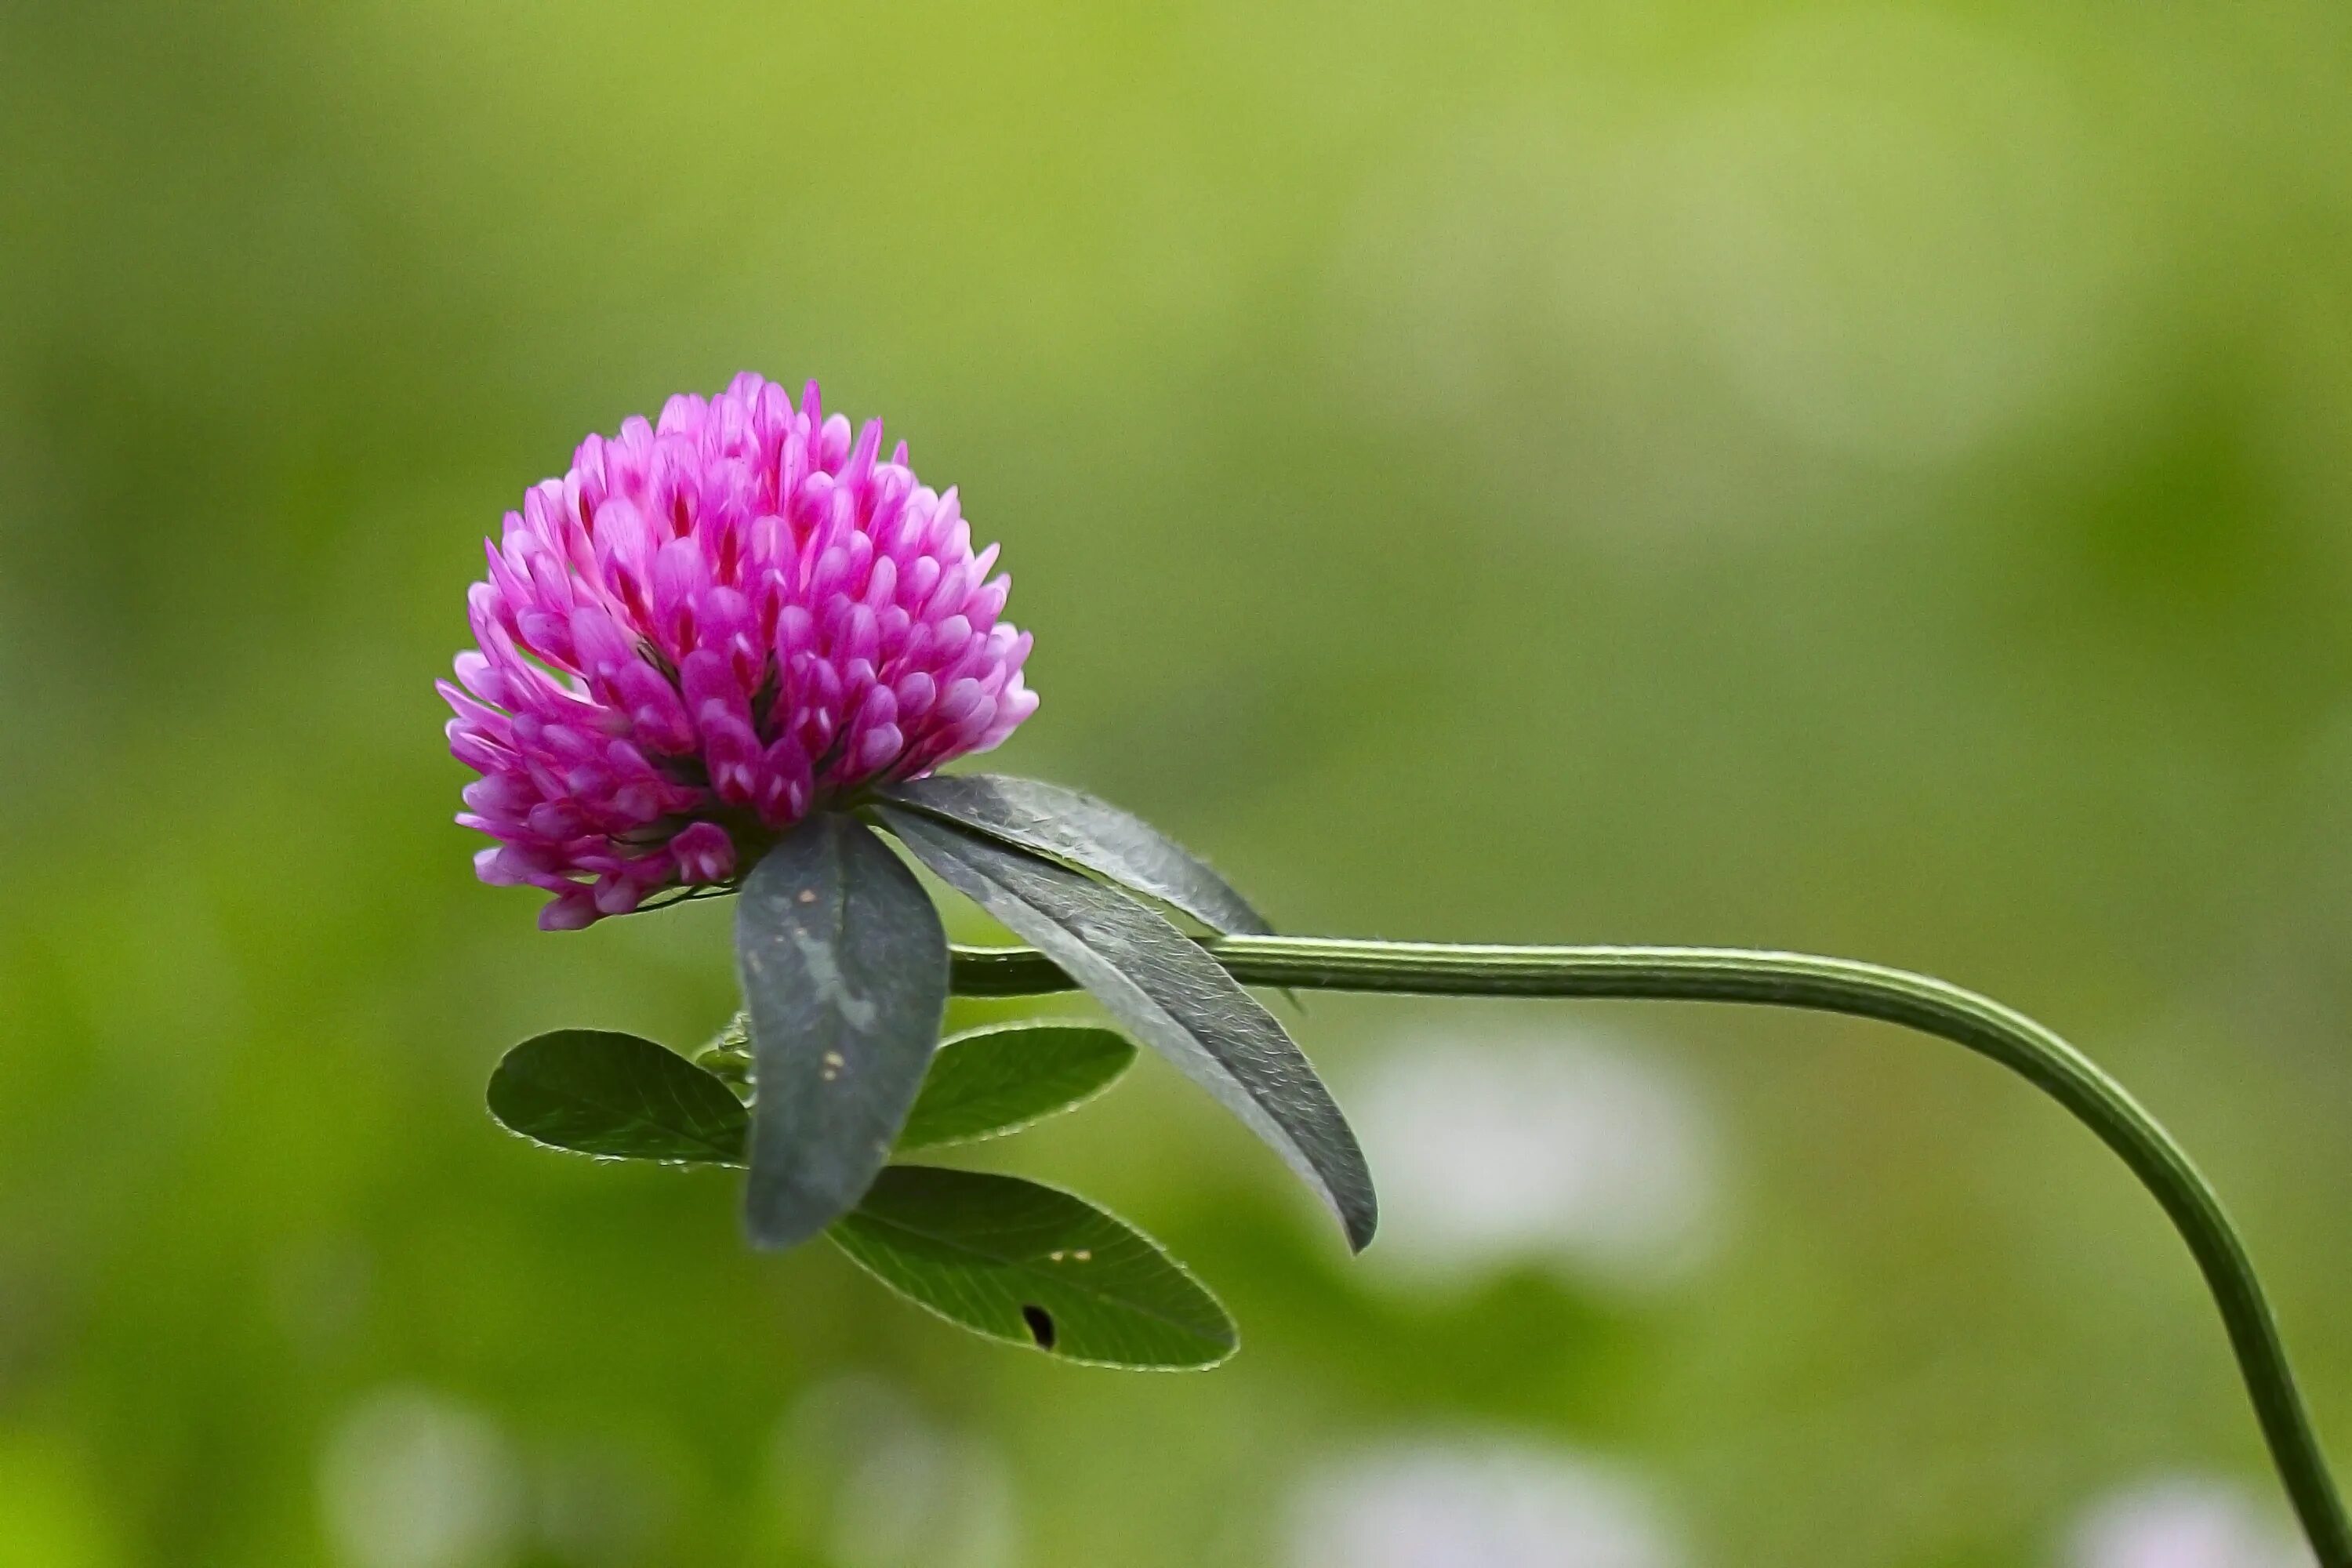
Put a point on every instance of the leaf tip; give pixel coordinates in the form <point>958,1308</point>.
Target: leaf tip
<point>1360,1219</point>
<point>778,1219</point>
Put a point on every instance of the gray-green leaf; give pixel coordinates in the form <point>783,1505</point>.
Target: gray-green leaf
<point>844,965</point>
<point>1067,825</point>
<point>1034,1266</point>
<point>596,1093</point>
<point>999,1079</point>
<point>1170,993</point>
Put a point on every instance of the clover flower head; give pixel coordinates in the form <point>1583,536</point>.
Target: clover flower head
<point>710,626</point>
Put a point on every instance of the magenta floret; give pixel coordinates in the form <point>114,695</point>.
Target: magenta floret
<point>708,628</point>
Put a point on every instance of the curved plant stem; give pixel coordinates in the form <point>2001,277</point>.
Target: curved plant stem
<point>1829,985</point>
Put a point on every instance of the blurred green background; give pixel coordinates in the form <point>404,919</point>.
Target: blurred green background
<point>1874,480</point>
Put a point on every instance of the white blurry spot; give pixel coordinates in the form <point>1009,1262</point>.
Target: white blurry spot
<point>2183,1523</point>
<point>1566,1150</point>
<point>1477,1503</point>
<point>414,1480</point>
<point>891,1487</point>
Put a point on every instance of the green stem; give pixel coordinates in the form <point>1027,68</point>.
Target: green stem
<point>1828,985</point>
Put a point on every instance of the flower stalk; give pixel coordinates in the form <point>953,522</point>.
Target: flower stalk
<point>727,649</point>
<point>1828,985</point>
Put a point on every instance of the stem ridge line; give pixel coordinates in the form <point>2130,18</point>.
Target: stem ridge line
<point>1811,983</point>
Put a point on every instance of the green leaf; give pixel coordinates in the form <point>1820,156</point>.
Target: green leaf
<point>595,1092</point>
<point>989,1082</point>
<point>1064,825</point>
<point>1170,993</point>
<point>844,965</point>
<point>1034,1266</point>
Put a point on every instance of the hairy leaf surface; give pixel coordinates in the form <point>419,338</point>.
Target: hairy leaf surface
<point>1065,825</point>
<point>844,965</point>
<point>996,1080</point>
<point>1034,1266</point>
<point>1170,992</point>
<point>596,1093</point>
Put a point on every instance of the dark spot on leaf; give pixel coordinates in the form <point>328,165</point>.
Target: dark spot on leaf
<point>1041,1325</point>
